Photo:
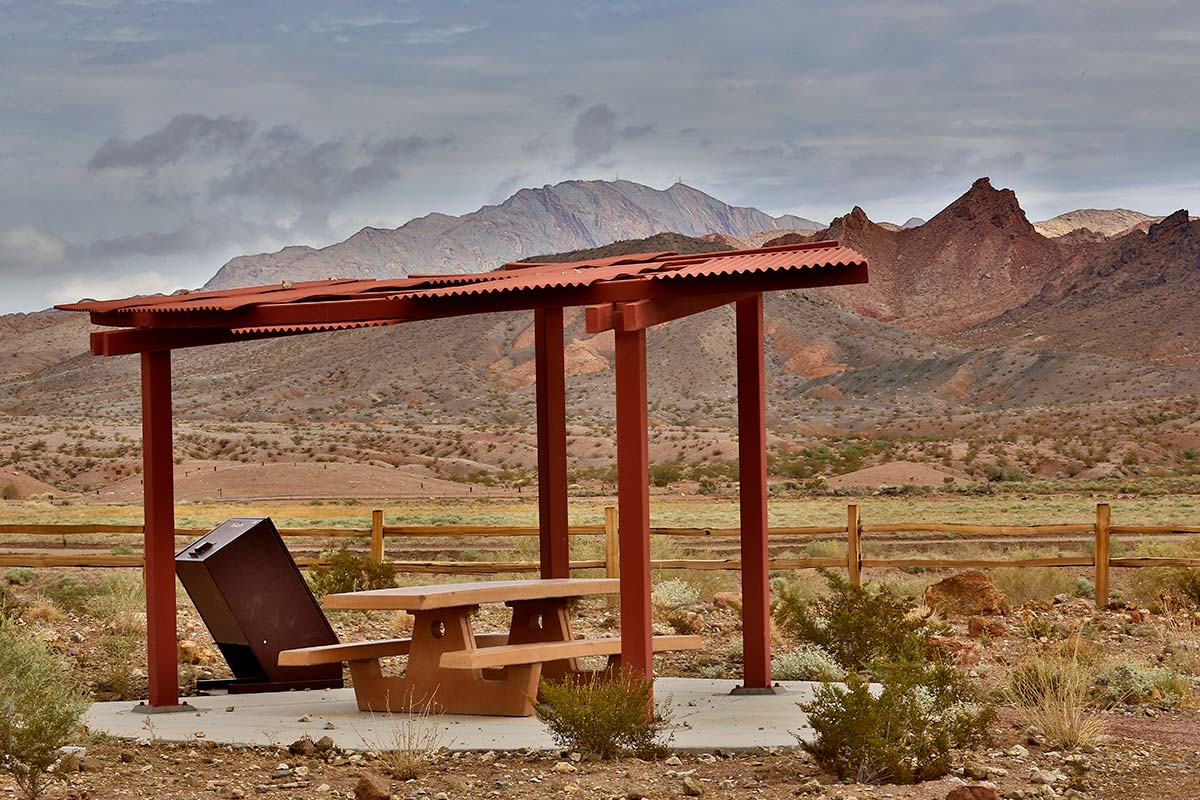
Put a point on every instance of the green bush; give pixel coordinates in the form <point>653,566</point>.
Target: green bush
<point>19,575</point>
<point>1133,682</point>
<point>41,706</point>
<point>857,626</point>
<point>806,664</point>
<point>71,595</point>
<point>674,593</point>
<point>344,571</point>
<point>905,732</point>
<point>9,492</point>
<point>604,716</point>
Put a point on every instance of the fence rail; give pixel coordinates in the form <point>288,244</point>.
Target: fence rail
<point>854,530</point>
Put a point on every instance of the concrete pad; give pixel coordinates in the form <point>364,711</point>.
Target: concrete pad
<point>705,715</point>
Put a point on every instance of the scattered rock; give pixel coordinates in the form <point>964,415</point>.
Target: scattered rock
<point>972,793</point>
<point>976,771</point>
<point>728,784</point>
<point>303,746</point>
<point>194,653</point>
<point>674,761</point>
<point>962,652</point>
<point>565,766</point>
<point>692,787</point>
<point>635,792</point>
<point>1016,751</point>
<point>979,625</point>
<point>323,745</point>
<point>729,600</point>
<point>372,787</point>
<point>967,593</point>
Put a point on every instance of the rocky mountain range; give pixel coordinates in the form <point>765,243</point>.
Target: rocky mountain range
<point>974,308</point>
<point>567,216</point>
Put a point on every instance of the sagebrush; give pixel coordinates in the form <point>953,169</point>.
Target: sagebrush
<point>41,707</point>
<point>857,626</point>
<point>905,731</point>
<point>604,716</point>
<point>344,571</point>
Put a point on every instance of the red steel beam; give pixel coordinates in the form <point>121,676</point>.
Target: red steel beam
<point>752,498</point>
<point>633,501</point>
<point>158,492</point>
<point>647,313</point>
<point>555,553</point>
<point>414,308</point>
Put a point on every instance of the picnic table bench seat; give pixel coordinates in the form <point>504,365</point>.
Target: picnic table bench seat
<point>365,651</point>
<point>511,655</point>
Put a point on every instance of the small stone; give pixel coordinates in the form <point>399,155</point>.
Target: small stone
<point>692,787</point>
<point>706,758</point>
<point>372,787</point>
<point>973,793</point>
<point>323,788</point>
<point>976,771</point>
<point>300,771</point>
<point>237,792</point>
<point>674,761</point>
<point>329,726</point>
<point>565,766</point>
<point>1016,751</point>
<point>1043,777</point>
<point>126,757</point>
<point>304,718</point>
<point>302,747</point>
<point>228,709</point>
<point>728,784</point>
<point>635,792</point>
<point>76,637</point>
<point>324,744</point>
<point>281,772</point>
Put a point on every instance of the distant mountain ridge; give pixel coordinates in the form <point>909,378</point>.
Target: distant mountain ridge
<point>572,215</point>
<point>1109,222</point>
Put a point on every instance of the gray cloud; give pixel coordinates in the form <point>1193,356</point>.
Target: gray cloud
<point>183,135</point>
<point>596,133</point>
<point>289,166</point>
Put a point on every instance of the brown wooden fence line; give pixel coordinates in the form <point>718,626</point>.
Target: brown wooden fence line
<point>854,531</point>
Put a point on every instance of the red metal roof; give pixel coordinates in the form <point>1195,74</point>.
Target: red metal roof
<point>309,306</point>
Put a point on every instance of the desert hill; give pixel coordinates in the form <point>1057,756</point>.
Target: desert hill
<point>975,259</point>
<point>1136,299</point>
<point>1108,222</point>
<point>567,216</point>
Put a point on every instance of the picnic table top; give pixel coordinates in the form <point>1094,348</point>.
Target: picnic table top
<point>451,595</point>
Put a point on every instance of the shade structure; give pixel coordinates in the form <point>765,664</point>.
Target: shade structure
<point>626,294</point>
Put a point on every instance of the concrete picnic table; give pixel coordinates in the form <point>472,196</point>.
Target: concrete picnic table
<point>453,669</point>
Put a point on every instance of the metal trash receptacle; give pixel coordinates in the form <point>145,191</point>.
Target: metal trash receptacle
<point>255,602</point>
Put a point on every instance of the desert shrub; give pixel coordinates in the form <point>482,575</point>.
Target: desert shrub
<point>71,595</point>
<point>1051,690</point>
<point>1134,682</point>
<point>707,487</point>
<point>604,716</point>
<point>674,593</point>
<point>1020,585</point>
<point>9,492</point>
<point>1084,587</point>
<point>114,679</point>
<point>121,603</point>
<point>857,626</point>
<point>41,706</point>
<point>904,733</point>
<point>806,664</point>
<point>344,571</point>
<point>19,576</point>
<point>666,474</point>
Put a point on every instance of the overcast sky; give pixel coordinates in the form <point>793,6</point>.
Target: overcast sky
<point>142,143</point>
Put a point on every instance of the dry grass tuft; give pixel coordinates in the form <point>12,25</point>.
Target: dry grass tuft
<point>416,743</point>
<point>1052,691</point>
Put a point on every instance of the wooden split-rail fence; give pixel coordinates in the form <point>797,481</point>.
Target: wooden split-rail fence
<point>377,533</point>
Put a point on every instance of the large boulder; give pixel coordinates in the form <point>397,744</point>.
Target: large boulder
<point>966,594</point>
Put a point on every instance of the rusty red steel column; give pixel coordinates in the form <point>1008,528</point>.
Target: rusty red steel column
<point>633,501</point>
<point>752,498</point>
<point>158,495</point>
<point>551,389</point>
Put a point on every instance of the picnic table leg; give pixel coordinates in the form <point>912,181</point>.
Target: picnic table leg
<point>544,621</point>
<point>427,687</point>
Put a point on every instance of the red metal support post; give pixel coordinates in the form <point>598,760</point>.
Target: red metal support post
<point>633,501</point>
<point>752,472</point>
<point>554,539</point>
<point>159,501</point>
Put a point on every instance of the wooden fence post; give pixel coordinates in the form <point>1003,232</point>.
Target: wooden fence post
<point>377,536</point>
<point>612,551</point>
<point>1103,552</point>
<point>854,545</point>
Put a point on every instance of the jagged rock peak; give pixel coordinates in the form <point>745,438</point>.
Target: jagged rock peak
<point>985,203</point>
<point>1180,217</point>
